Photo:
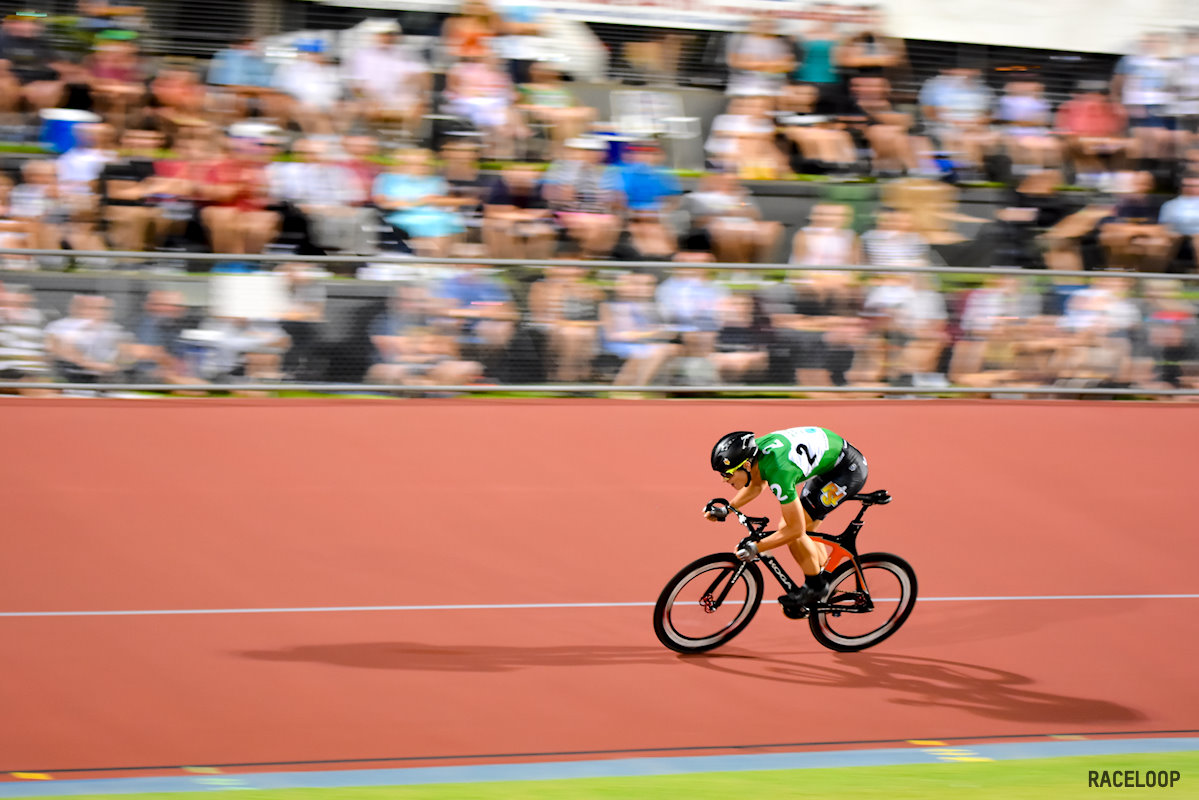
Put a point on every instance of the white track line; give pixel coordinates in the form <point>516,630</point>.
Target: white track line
<point>512,606</point>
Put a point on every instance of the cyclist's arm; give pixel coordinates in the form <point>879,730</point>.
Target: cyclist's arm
<point>795,524</point>
<point>747,493</point>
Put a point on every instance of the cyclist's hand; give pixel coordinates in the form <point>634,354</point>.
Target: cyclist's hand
<point>747,550</point>
<point>715,512</point>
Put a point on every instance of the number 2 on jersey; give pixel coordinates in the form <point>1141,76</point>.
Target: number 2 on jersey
<point>803,457</point>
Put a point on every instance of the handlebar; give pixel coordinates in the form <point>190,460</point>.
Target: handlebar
<point>756,525</point>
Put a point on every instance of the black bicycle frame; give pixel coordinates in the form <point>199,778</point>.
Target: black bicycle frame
<point>847,540</point>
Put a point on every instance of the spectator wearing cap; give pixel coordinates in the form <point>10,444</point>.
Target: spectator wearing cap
<point>585,196</point>
<point>390,81</point>
<point>651,195</point>
<point>315,88</point>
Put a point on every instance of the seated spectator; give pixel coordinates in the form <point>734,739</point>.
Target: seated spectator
<point>314,87</point>
<point>817,64</point>
<point>1171,337</point>
<point>469,33</point>
<point>1131,237</point>
<point>22,346</point>
<point>567,308</point>
<point>132,195</point>
<point>992,324</point>
<point>467,182</point>
<point>1027,117</point>
<point>117,80</point>
<point>651,196</point>
<point>894,242</point>
<point>814,316</point>
<point>480,309</point>
<point>585,196</point>
<point>303,319</point>
<point>86,345</point>
<point>828,239</point>
<point>632,333</point>
<point>1092,127</point>
<point>417,203</point>
<point>1145,82</point>
<point>956,106</point>
<point>759,59</point>
<point>177,99</point>
<point>689,304</point>
<point>243,83</point>
<point>157,353</point>
<point>910,317</point>
<point>480,91</point>
<point>51,214</point>
<point>32,61</point>
<point>1181,216</point>
<point>723,208</point>
<point>877,126</point>
<point>237,213</point>
<point>391,82</point>
<point>1187,105</point>
<point>239,349</point>
<point>871,53</point>
<point>547,100</point>
<point>323,196</point>
<point>812,143</point>
<point>517,222</point>
<point>741,140</point>
<point>79,168</point>
<point>741,349</point>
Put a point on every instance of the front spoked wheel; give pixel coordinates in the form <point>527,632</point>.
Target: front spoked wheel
<point>708,602</point>
<point>858,616</point>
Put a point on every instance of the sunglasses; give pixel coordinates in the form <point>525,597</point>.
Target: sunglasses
<point>729,472</point>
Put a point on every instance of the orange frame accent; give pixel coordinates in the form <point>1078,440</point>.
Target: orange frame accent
<point>837,556</point>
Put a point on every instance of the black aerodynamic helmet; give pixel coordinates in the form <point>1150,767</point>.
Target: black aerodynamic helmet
<point>734,451</point>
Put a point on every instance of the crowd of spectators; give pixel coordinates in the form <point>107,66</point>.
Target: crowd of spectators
<point>382,148</point>
<point>690,325</point>
<point>332,148</point>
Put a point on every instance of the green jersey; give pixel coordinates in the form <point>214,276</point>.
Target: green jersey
<point>792,456</point>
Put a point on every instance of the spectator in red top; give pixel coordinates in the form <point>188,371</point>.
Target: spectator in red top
<point>237,217</point>
<point>1094,131</point>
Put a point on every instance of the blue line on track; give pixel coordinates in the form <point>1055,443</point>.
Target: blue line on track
<point>614,768</point>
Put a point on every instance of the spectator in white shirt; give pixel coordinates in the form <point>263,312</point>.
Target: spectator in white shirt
<point>327,193</point>
<point>86,345</point>
<point>390,82</point>
<point>315,88</point>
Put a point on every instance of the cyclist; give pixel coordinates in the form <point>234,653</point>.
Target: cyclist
<point>830,470</point>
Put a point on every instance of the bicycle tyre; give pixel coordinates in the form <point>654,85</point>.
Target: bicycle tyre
<point>670,636</point>
<point>824,632</point>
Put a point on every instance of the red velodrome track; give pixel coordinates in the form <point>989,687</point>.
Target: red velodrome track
<point>113,505</point>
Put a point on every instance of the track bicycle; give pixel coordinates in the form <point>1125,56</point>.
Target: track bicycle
<point>714,598</point>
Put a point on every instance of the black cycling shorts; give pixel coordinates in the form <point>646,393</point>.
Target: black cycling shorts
<point>822,493</point>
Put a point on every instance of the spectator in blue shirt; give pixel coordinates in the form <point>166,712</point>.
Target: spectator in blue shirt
<point>242,79</point>
<point>480,306</point>
<point>651,196</point>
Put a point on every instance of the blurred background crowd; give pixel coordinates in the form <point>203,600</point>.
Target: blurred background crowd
<point>811,140</point>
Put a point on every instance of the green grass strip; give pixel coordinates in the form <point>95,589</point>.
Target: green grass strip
<point>1032,779</point>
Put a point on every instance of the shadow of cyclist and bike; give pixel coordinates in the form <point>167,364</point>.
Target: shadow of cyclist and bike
<point>907,680</point>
